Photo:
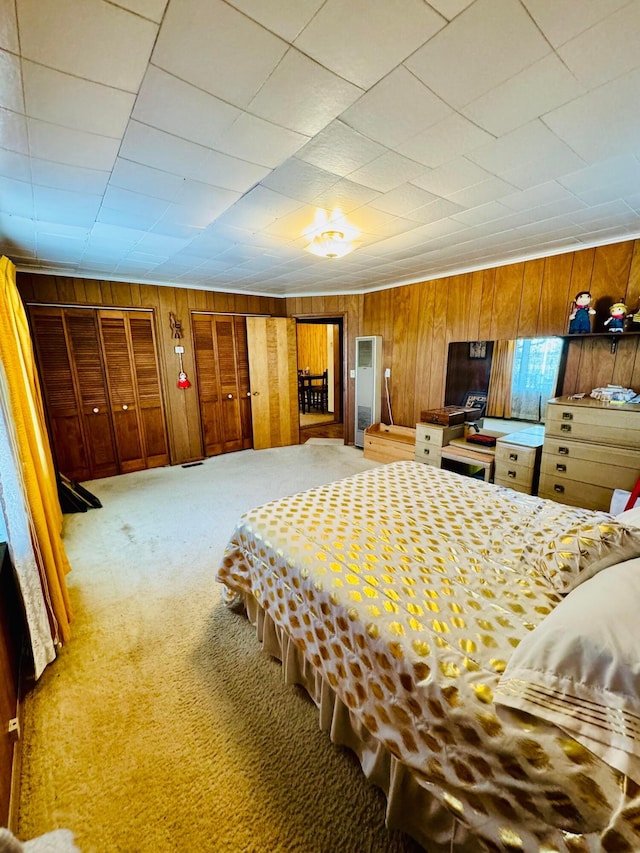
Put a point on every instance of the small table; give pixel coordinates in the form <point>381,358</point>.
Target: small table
<point>304,389</point>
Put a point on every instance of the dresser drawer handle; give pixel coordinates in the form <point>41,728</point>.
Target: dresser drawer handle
<point>427,437</point>
<point>565,427</point>
<point>513,457</point>
<point>511,474</point>
<point>567,416</point>
<point>564,451</point>
<point>558,488</point>
<point>561,468</point>
<point>425,450</point>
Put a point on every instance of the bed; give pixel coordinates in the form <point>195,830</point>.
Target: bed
<point>475,647</point>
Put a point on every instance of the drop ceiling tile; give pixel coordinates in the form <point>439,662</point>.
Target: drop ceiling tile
<point>531,143</point>
<point>605,215</point>
<point>293,225</point>
<point>613,174</point>
<point>345,195</point>
<point>607,50</point>
<point>87,38</point>
<point>449,9</point>
<point>16,198</point>
<point>482,213</point>
<point>286,18</point>
<point>448,139</point>
<point>603,123</point>
<point>546,193</point>
<point>160,150</point>
<point>146,180</point>
<point>395,109</point>
<point>169,104</point>
<point>66,207</point>
<point>129,219</point>
<point>160,244</point>
<point>340,149</point>
<point>387,172</point>
<point>73,147</point>
<point>435,210</point>
<point>486,191</point>
<point>259,141</point>
<point>492,54</point>
<point>258,209</point>
<point>8,26</point>
<point>401,200</point>
<point>15,165</point>
<point>543,86</point>
<point>172,224</point>
<point>79,104</point>
<point>13,132</point>
<point>451,177</point>
<point>10,82</point>
<point>116,198</point>
<point>562,21</point>
<point>298,179</point>
<point>302,95</point>
<point>217,49</point>
<point>151,9</point>
<point>64,177</point>
<point>362,41</point>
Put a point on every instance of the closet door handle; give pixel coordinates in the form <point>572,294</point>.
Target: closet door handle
<point>95,410</point>
<point>230,396</point>
<point>125,407</point>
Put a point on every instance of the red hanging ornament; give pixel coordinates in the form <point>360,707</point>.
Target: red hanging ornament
<point>183,382</point>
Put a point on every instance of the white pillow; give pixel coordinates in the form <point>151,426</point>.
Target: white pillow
<point>630,516</point>
<point>580,667</point>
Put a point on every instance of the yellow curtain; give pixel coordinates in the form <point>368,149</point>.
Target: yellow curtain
<point>499,394</point>
<point>38,472</point>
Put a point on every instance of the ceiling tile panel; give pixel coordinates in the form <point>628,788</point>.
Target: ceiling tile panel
<point>286,18</point>
<point>258,209</point>
<point>395,109</point>
<point>183,110</point>
<point>481,193</point>
<point>8,26</point>
<point>259,141</point>
<point>13,131</point>
<point>346,195</point>
<point>80,104</point>
<point>73,147</point>
<point>340,149</point>
<point>151,9</point>
<point>387,172</point>
<point>299,179</point>
<point>146,180</point>
<point>15,165</point>
<point>451,177</point>
<point>364,39</point>
<point>491,53</point>
<point>543,86</point>
<point>449,138</point>
<point>64,177</point>
<point>302,95</point>
<point>402,200</point>
<point>87,38</point>
<point>217,49</point>
<point>10,82</point>
<point>607,50</point>
<point>450,8</point>
<point>562,21</point>
<point>21,195</point>
<point>66,207</point>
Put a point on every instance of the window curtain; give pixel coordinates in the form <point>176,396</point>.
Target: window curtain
<point>535,375</point>
<point>35,476</point>
<point>499,393</point>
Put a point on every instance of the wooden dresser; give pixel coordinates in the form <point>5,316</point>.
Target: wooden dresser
<point>518,459</point>
<point>431,438</point>
<point>389,443</point>
<point>590,449</point>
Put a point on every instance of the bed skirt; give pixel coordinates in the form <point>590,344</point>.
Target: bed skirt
<point>411,807</point>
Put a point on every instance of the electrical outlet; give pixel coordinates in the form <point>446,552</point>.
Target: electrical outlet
<point>352,374</point>
<point>387,372</point>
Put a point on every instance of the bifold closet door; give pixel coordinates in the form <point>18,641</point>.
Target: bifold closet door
<point>223,382</point>
<point>74,387</point>
<point>134,389</point>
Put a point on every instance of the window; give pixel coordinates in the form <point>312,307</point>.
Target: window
<point>535,374</point>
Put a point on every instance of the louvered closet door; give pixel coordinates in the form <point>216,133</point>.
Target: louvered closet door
<point>120,378</point>
<point>60,394</point>
<point>151,410</point>
<point>86,356</point>
<point>225,341</point>
<point>208,386</point>
<point>244,389</point>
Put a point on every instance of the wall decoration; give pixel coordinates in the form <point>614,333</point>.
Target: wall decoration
<point>477,349</point>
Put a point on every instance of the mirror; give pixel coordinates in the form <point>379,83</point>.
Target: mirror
<point>517,376</point>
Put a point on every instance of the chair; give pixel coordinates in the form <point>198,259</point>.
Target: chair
<point>319,394</point>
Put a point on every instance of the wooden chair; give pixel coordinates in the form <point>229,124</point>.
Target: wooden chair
<point>319,394</point>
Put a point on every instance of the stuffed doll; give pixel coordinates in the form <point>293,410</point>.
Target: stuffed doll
<point>618,312</point>
<point>580,317</point>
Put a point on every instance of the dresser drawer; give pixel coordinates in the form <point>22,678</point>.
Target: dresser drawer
<point>615,457</point>
<point>597,472</point>
<point>510,484</point>
<point>439,436</point>
<point>574,493</point>
<point>513,474</point>
<point>513,454</point>
<point>429,453</point>
<point>598,424</point>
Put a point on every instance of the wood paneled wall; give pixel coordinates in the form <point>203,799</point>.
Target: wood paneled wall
<point>181,406</point>
<point>418,321</point>
<point>312,347</point>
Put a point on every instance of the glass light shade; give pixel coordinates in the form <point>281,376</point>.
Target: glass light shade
<point>330,244</point>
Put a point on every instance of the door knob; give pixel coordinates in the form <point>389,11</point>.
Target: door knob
<point>248,393</point>
<point>230,396</point>
<point>95,410</point>
<point>125,407</point>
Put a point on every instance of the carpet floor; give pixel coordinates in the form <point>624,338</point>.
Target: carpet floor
<point>162,726</point>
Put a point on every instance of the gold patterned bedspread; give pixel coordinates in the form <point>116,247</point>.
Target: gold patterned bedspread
<point>408,587</point>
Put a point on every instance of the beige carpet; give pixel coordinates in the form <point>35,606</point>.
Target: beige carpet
<point>163,726</point>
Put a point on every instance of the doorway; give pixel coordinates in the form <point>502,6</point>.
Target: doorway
<point>320,347</point>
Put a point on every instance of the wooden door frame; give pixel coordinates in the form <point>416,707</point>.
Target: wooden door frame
<point>328,317</point>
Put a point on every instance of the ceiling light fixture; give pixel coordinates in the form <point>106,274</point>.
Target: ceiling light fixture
<point>330,244</point>
<point>331,236</point>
